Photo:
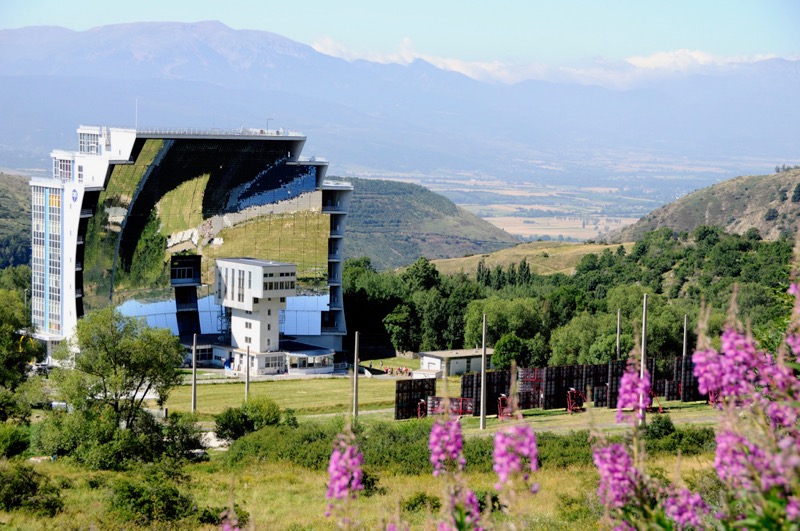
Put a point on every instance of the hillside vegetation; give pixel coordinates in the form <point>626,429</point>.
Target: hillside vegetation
<point>394,223</point>
<point>767,203</point>
<point>543,258</point>
<point>15,221</point>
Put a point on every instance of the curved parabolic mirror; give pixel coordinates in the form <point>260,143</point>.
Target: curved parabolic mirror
<point>217,198</point>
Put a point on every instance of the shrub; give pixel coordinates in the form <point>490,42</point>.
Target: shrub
<point>397,448</point>
<point>490,498</point>
<point>232,424</point>
<point>21,487</point>
<point>262,412</point>
<point>561,451</point>
<point>182,437</point>
<point>421,501</point>
<point>659,427</point>
<point>153,497</point>
<point>290,419</point>
<point>13,440</point>
<point>218,515</point>
<point>253,415</point>
<point>370,480</point>
<point>309,445</point>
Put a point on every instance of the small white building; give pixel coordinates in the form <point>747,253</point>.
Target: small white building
<point>454,362</point>
<point>254,293</point>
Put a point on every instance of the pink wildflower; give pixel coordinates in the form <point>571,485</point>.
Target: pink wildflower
<point>793,509</point>
<point>445,445</point>
<point>686,509</point>
<point>618,476</point>
<point>515,451</point>
<point>634,392</point>
<point>345,471</point>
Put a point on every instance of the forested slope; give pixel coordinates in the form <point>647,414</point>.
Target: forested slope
<point>15,221</point>
<point>769,204</point>
<point>395,223</point>
<point>564,319</point>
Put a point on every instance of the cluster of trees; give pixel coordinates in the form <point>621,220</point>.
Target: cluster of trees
<point>783,167</point>
<point>562,319</point>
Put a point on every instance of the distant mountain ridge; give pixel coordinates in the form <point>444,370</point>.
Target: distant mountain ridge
<point>381,120</point>
<point>768,203</point>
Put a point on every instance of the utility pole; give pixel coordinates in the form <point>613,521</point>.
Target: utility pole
<point>643,366</point>
<point>247,376</point>
<point>483,377</point>
<point>355,379</point>
<point>618,331</point>
<point>194,373</point>
<point>685,344</point>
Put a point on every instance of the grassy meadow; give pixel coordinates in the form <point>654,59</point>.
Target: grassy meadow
<point>282,495</point>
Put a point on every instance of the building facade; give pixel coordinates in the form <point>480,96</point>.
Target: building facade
<point>119,219</point>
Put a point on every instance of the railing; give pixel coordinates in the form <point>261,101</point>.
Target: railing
<point>193,131</point>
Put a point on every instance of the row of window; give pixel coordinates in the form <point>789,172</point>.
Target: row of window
<point>270,286</point>
<point>281,274</point>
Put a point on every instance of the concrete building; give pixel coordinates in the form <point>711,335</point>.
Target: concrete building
<point>139,218</point>
<point>453,362</point>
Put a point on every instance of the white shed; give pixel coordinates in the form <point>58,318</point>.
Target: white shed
<point>454,362</point>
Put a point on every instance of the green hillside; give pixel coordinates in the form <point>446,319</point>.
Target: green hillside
<point>15,221</point>
<point>395,223</point>
<point>543,258</point>
<point>768,203</point>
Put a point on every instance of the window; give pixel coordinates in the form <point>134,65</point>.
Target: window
<point>62,169</point>
<point>248,325</point>
<point>80,174</point>
<point>89,143</point>
<point>269,326</point>
<point>249,279</point>
<point>247,340</point>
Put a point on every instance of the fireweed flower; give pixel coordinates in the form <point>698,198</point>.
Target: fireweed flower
<point>686,509</point>
<point>446,444</point>
<point>515,451</point>
<point>707,369</point>
<point>793,509</point>
<point>631,388</point>
<point>345,471</point>
<point>618,476</point>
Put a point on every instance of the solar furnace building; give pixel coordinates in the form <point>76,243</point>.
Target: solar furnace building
<point>137,219</point>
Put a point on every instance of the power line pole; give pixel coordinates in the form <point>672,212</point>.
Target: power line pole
<point>483,377</point>
<point>643,366</point>
<point>355,379</point>
<point>194,373</point>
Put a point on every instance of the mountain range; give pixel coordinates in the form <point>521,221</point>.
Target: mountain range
<point>668,136</point>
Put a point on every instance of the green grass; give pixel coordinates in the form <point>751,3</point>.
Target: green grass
<point>300,238</point>
<point>182,208</point>
<point>544,258</point>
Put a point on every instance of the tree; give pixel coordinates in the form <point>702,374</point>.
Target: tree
<point>796,194</point>
<point>421,276</point>
<point>510,348</point>
<point>117,361</point>
<point>402,328</point>
<point>16,350</point>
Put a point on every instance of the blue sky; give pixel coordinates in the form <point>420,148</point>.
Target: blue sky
<point>501,39</point>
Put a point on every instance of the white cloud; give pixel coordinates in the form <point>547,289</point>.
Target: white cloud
<point>684,60</point>
<point>619,74</point>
